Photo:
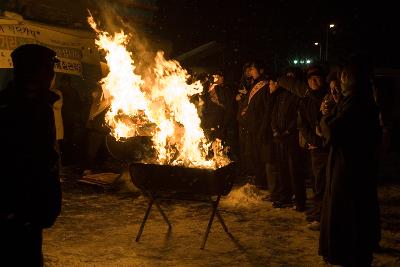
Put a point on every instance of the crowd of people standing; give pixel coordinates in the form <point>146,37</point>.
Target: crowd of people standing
<point>319,124</point>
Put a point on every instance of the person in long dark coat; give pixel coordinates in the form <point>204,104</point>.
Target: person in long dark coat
<point>350,228</point>
<point>286,138</point>
<point>30,191</point>
<point>253,117</point>
<point>241,98</point>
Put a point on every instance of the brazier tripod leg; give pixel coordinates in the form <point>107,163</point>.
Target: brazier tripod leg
<point>214,210</point>
<point>144,219</point>
<point>163,215</point>
<point>221,220</point>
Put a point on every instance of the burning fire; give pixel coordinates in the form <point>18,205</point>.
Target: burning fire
<point>122,84</point>
<point>165,104</point>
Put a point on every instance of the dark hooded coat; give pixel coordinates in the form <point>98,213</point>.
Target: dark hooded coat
<point>30,189</point>
<point>350,214</point>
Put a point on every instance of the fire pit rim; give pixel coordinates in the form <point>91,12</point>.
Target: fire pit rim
<point>156,178</point>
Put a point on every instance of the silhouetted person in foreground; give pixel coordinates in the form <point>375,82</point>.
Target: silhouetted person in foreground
<point>350,229</point>
<point>30,193</point>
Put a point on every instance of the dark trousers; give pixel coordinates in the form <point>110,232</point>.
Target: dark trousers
<point>319,159</point>
<point>272,170</point>
<point>284,188</point>
<point>260,175</point>
<point>257,152</point>
<point>296,170</point>
<point>95,142</point>
<point>291,178</point>
<point>246,167</point>
<point>20,245</point>
<point>70,146</point>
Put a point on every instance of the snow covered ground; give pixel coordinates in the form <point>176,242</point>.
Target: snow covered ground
<point>98,228</point>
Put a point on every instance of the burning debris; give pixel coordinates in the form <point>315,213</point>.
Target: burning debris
<point>158,106</point>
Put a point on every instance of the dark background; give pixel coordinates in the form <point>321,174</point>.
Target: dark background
<point>276,32</point>
<point>280,31</point>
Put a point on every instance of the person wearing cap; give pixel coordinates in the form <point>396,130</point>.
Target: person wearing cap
<point>30,191</point>
<point>312,92</point>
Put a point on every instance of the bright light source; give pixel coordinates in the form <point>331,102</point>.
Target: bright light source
<point>308,61</point>
<point>316,43</point>
<point>301,61</point>
<point>331,25</point>
<point>295,61</point>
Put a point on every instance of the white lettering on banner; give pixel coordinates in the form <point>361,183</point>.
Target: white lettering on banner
<point>70,49</point>
<point>69,46</point>
<point>65,52</point>
<point>68,66</point>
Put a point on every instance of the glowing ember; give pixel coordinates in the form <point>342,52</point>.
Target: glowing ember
<point>177,137</point>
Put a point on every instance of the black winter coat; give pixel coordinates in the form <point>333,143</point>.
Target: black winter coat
<point>30,190</point>
<point>284,112</point>
<point>256,108</point>
<point>350,214</point>
<point>309,110</point>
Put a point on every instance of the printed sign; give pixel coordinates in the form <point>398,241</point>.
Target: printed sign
<point>71,50</point>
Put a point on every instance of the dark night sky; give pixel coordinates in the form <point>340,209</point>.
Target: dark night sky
<point>277,31</point>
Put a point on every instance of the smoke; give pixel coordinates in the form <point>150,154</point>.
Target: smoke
<point>110,18</point>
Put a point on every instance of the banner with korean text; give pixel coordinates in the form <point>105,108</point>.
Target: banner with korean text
<point>71,50</point>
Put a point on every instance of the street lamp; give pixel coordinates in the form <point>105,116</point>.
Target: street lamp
<point>330,26</point>
<point>320,49</point>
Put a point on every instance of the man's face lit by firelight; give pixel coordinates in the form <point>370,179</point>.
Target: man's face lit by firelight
<point>255,73</point>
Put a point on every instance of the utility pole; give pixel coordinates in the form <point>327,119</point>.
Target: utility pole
<point>320,49</point>
<point>328,28</point>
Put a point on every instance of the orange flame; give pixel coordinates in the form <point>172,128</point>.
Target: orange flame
<point>178,137</point>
